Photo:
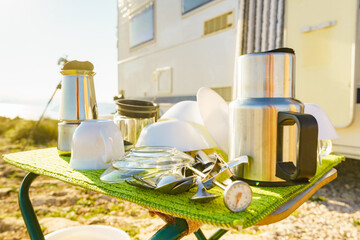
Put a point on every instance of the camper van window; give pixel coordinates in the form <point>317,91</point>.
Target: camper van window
<point>142,26</point>
<point>189,5</point>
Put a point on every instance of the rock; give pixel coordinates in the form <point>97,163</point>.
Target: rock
<point>53,224</point>
<point>4,191</point>
<point>10,223</point>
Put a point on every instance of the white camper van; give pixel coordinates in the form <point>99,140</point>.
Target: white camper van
<point>168,49</point>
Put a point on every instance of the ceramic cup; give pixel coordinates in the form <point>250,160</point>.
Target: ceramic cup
<point>95,144</point>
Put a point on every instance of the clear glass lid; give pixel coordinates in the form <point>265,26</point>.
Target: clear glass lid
<point>153,158</point>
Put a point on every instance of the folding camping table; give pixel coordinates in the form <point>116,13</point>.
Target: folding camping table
<point>269,204</point>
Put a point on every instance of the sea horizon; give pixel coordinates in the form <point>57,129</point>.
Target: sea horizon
<point>33,111</point>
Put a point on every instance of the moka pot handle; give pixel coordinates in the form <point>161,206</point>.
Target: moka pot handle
<point>307,139</point>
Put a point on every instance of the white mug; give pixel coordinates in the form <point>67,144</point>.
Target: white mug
<point>95,144</point>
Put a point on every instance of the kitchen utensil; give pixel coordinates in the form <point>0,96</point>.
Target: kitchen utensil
<point>268,124</point>
<point>95,144</point>
<point>201,194</point>
<point>183,187</point>
<point>202,157</point>
<point>147,163</point>
<point>168,179</point>
<point>133,115</point>
<point>78,101</point>
<point>138,183</point>
<point>149,182</point>
<point>113,175</point>
<point>224,174</point>
<point>237,195</point>
<point>183,135</point>
<point>168,184</point>
<point>153,158</point>
<point>65,133</point>
<point>185,110</point>
<point>214,112</point>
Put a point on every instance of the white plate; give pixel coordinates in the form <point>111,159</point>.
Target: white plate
<point>326,129</point>
<point>214,112</point>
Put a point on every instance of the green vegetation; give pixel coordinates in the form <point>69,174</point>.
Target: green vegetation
<point>357,223</point>
<point>296,213</point>
<point>85,202</point>
<point>15,132</point>
<point>64,213</point>
<point>318,199</point>
<point>131,230</point>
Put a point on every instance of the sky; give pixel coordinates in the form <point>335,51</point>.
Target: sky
<point>34,34</point>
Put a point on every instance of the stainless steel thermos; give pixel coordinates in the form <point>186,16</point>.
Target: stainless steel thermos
<point>268,124</point>
<point>78,101</point>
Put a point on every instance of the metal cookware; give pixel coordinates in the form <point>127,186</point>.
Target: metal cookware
<point>78,101</point>
<point>133,115</point>
<point>268,124</point>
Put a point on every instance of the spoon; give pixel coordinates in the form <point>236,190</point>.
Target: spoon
<point>148,182</point>
<point>183,187</point>
<point>138,183</point>
<point>165,185</point>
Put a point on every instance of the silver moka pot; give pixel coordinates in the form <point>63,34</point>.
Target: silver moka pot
<point>268,124</point>
<point>78,101</point>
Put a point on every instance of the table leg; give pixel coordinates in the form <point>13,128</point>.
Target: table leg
<point>177,229</point>
<point>27,210</point>
<point>217,235</point>
<point>172,230</point>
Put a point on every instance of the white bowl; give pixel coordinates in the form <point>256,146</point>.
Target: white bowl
<point>185,110</point>
<point>183,135</point>
<point>89,232</point>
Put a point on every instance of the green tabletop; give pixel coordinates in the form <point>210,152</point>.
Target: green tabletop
<point>47,162</point>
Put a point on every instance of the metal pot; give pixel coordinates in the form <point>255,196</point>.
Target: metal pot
<point>132,116</point>
<point>78,101</point>
<point>268,124</point>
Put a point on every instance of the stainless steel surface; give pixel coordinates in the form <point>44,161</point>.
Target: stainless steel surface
<point>65,133</point>
<point>170,183</point>
<point>202,195</point>
<point>133,115</point>
<point>265,75</point>
<point>254,133</point>
<point>202,157</point>
<point>167,188</point>
<point>183,187</point>
<point>131,127</point>
<point>78,101</point>
<point>265,87</point>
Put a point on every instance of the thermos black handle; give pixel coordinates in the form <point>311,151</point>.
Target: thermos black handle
<point>306,156</point>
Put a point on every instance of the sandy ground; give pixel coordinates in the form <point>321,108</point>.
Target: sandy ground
<point>332,213</point>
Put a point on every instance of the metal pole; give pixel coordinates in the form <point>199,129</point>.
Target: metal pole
<point>41,117</point>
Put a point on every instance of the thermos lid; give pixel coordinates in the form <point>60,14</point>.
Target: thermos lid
<point>78,67</point>
<point>268,74</point>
